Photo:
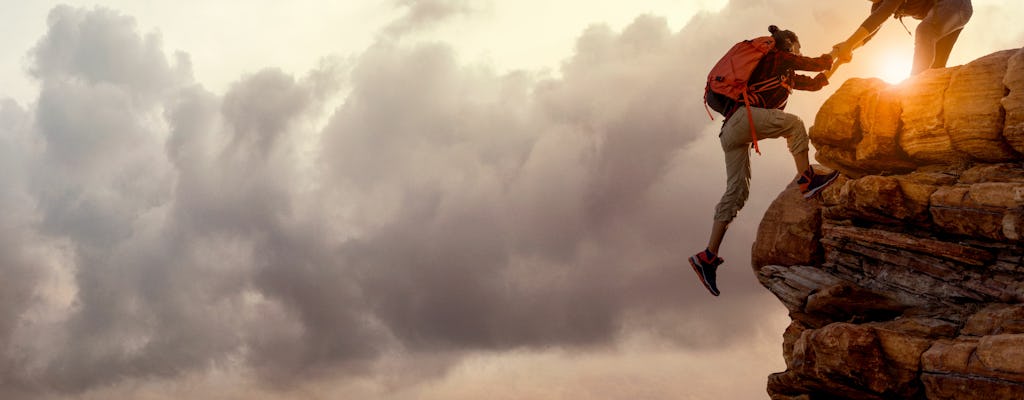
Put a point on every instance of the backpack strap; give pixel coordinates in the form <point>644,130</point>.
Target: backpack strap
<point>905,26</point>
<point>750,118</point>
<point>706,108</point>
<point>769,84</point>
<point>750,96</point>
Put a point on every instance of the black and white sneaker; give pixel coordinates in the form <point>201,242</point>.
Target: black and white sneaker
<point>705,264</point>
<point>811,183</point>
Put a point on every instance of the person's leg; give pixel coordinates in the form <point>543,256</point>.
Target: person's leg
<point>943,48</point>
<point>735,140</point>
<point>924,48</point>
<point>772,123</point>
<point>718,229</point>
<point>802,161</point>
<point>798,147</point>
<point>737,190</point>
<point>946,17</point>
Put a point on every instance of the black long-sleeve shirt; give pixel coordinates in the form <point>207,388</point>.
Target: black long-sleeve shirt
<point>782,65</point>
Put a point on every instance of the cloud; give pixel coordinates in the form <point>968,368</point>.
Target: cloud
<point>422,14</point>
<point>471,250</point>
<point>378,221</point>
<point>101,45</point>
<point>442,208</point>
<point>20,264</point>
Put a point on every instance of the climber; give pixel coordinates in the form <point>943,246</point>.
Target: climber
<point>941,23</point>
<point>774,76</point>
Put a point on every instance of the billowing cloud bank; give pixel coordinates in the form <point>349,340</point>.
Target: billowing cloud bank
<point>384,215</point>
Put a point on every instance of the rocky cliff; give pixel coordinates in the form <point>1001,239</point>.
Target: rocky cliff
<point>905,279</point>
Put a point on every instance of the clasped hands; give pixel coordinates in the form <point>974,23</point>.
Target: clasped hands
<point>841,53</point>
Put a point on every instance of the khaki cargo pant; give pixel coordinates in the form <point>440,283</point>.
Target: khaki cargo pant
<point>735,137</point>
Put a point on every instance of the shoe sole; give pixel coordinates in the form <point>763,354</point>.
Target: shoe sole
<point>817,190</point>
<point>700,275</point>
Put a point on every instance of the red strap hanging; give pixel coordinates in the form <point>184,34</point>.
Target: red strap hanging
<point>750,118</point>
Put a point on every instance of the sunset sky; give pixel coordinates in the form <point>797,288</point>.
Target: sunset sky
<point>404,199</point>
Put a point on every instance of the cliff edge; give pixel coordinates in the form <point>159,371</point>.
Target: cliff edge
<point>905,279</point>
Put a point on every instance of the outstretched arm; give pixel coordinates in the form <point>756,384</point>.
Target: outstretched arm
<point>880,11</point>
<point>801,63</point>
<point>801,82</point>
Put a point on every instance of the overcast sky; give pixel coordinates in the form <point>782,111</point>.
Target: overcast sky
<point>409,199</point>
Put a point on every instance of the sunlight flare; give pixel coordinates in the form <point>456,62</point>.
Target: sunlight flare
<point>894,67</point>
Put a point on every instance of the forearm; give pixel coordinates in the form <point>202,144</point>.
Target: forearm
<point>878,16</point>
<point>801,63</point>
<point>801,82</point>
<point>858,38</point>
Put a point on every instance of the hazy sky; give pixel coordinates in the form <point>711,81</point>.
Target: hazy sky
<point>414,199</point>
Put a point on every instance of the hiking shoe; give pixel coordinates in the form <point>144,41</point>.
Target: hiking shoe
<point>811,183</point>
<point>705,264</point>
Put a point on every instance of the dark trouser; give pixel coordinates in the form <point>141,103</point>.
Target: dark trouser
<point>938,32</point>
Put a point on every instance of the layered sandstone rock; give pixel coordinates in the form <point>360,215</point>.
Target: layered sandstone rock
<point>953,116</point>
<point>905,279</point>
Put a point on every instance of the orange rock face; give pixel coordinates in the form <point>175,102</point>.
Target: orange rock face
<point>974,112</point>
<point>924,137</point>
<point>905,279</point>
<point>952,116</point>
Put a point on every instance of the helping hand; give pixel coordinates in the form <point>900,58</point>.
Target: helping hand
<point>842,53</point>
<point>837,60</point>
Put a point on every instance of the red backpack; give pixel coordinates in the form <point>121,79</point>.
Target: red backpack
<point>730,76</point>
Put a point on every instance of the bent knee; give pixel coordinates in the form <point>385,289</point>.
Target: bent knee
<point>732,202</point>
<point>792,120</point>
<point>798,142</point>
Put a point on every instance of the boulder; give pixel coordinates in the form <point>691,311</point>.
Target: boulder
<point>949,117</point>
<point>924,137</point>
<point>974,112</point>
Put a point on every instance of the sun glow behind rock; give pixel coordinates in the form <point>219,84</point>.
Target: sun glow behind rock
<point>894,66</point>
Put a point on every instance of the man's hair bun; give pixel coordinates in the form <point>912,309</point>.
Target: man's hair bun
<point>773,29</point>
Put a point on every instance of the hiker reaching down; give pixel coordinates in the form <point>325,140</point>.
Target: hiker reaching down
<point>941,23</point>
<point>758,114</point>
